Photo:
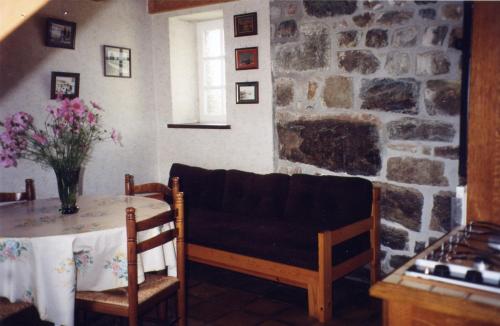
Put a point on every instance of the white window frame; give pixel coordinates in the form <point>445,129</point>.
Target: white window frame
<point>201,28</point>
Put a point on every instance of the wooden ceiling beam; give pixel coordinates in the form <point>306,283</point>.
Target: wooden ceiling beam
<point>157,6</point>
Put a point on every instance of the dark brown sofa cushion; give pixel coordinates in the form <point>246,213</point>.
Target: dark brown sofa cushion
<point>202,188</point>
<point>286,242</point>
<point>255,195</point>
<point>330,202</point>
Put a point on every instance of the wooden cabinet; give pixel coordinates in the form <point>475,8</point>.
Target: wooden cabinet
<point>483,166</point>
<point>409,300</point>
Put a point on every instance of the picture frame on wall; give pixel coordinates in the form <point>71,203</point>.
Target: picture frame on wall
<point>64,85</point>
<point>245,24</point>
<point>60,33</point>
<point>247,92</point>
<point>246,58</point>
<point>117,61</point>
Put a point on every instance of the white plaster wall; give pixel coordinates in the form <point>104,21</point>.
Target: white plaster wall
<point>25,68</point>
<point>183,38</point>
<point>248,145</point>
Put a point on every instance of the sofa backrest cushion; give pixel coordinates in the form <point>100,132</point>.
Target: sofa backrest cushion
<point>255,195</point>
<point>328,201</point>
<point>202,188</point>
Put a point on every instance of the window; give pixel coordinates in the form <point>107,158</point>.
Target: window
<point>211,71</point>
<point>197,68</point>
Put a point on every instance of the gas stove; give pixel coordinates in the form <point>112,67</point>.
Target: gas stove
<point>468,256</point>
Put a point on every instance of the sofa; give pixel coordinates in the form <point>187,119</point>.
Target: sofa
<point>301,230</point>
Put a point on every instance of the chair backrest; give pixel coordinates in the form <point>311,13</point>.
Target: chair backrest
<point>134,247</point>
<point>152,190</point>
<point>28,194</point>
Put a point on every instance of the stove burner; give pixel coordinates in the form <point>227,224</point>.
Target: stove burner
<point>466,258</point>
<point>474,276</point>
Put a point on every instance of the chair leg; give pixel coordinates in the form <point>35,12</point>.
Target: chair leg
<point>181,307</point>
<point>163,311</point>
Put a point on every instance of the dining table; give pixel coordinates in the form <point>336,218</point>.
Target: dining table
<point>45,256</point>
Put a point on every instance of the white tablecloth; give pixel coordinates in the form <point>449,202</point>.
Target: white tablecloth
<point>45,256</point>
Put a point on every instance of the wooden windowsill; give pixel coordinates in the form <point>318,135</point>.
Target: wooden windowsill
<point>199,125</point>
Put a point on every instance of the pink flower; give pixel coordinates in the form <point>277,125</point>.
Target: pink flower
<point>115,135</point>
<point>40,139</point>
<point>6,139</point>
<point>91,118</point>
<point>18,122</point>
<point>7,160</point>
<point>78,107</point>
<point>96,106</point>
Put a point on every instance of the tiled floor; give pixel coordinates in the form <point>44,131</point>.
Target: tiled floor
<point>218,297</point>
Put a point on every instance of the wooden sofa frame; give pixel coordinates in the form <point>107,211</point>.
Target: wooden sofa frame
<point>317,283</point>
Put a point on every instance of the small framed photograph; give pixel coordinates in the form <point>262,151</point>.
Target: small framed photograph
<point>64,85</point>
<point>247,92</point>
<point>245,24</point>
<point>117,62</point>
<point>247,58</point>
<point>60,34</point>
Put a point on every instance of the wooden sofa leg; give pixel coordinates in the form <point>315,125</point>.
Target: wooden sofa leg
<point>312,300</point>
<point>324,305</point>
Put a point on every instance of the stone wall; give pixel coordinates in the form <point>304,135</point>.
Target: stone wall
<point>372,88</point>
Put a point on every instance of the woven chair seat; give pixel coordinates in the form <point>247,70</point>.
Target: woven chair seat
<point>8,309</point>
<point>153,285</point>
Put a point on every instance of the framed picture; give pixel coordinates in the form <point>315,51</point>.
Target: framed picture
<point>60,34</point>
<point>64,85</point>
<point>247,58</point>
<point>245,24</point>
<point>247,92</point>
<point>117,62</point>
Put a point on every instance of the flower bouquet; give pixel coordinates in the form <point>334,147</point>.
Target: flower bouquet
<point>63,143</point>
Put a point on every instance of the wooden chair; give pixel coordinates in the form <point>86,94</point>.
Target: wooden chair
<point>7,308</point>
<point>134,300</point>
<point>152,190</point>
<point>28,194</point>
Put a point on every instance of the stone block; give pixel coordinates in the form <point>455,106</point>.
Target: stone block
<point>392,95</point>
<point>373,4</point>
<point>347,39</point>
<point>456,39</point>
<point>419,247</point>
<point>452,11</point>
<point>320,9</point>
<point>416,171</point>
<point>427,13</point>
<point>442,97</point>
<point>338,92</point>
<point>312,53</point>
<point>397,261</point>
<point>419,129</point>
<point>397,63</point>
<point>376,38</point>
<point>450,152</point>
<point>434,35</point>
<point>312,86</point>
<point>402,205</point>
<point>405,37</point>
<point>441,211</point>
<point>332,144</point>
<point>284,92</point>
<point>286,31</point>
<point>363,20</point>
<point>393,17</point>
<point>361,61</point>
<point>393,238</point>
<point>432,63</point>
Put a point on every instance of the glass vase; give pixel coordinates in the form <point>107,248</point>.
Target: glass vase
<point>67,185</point>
